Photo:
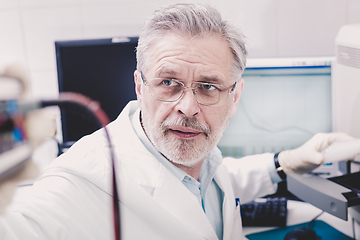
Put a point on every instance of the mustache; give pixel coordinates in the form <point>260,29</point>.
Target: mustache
<point>192,123</point>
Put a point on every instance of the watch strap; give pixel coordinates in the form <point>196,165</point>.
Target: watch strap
<point>278,168</point>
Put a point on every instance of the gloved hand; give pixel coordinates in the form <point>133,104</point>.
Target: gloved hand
<point>307,157</point>
<point>8,187</point>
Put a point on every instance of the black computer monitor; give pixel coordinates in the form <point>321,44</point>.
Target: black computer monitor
<point>102,69</point>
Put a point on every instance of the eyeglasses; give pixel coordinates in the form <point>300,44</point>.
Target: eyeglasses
<point>171,90</point>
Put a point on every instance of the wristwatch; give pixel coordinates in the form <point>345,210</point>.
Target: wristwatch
<point>278,168</point>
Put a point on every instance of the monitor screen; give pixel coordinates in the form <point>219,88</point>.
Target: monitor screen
<point>351,181</point>
<point>282,106</point>
<point>102,69</point>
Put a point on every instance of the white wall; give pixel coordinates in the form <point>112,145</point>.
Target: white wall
<point>274,28</point>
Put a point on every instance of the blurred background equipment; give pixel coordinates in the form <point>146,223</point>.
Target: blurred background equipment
<point>16,143</point>
<point>19,133</point>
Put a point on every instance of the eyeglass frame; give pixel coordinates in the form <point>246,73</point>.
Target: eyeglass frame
<point>230,90</point>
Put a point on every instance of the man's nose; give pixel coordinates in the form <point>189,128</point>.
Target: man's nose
<point>187,104</point>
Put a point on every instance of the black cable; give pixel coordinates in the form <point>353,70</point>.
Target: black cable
<point>312,222</point>
<point>92,108</point>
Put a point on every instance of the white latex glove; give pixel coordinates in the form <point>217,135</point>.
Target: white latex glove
<point>307,157</point>
<point>8,187</point>
<point>39,126</point>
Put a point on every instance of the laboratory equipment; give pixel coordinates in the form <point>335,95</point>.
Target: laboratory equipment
<point>339,194</point>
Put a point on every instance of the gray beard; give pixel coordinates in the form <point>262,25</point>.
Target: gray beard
<point>181,151</point>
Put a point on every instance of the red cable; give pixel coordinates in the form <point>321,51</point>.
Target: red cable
<point>94,107</point>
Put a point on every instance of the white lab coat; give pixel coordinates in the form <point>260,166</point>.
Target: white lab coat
<point>72,198</point>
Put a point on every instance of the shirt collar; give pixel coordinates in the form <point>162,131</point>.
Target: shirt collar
<point>209,167</point>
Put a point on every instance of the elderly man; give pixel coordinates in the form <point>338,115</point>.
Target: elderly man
<point>173,181</point>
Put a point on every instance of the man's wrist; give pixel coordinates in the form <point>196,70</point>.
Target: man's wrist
<point>278,168</point>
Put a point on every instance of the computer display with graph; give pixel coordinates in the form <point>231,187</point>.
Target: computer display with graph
<point>284,103</point>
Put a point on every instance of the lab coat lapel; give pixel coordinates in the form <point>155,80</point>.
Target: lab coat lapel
<point>231,212</point>
<point>182,204</point>
<point>152,214</point>
<point>167,193</point>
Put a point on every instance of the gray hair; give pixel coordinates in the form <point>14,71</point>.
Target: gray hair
<point>190,19</point>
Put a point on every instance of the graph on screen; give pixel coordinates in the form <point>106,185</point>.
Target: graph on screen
<point>281,107</point>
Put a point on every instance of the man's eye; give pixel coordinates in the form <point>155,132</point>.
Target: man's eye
<point>167,82</point>
<point>208,87</point>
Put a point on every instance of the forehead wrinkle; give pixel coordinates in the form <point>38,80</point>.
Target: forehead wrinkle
<point>163,70</point>
<point>192,56</point>
<point>173,71</point>
<point>170,66</point>
<point>168,59</point>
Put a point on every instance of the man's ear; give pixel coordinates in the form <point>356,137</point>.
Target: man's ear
<point>237,94</point>
<point>138,83</point>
